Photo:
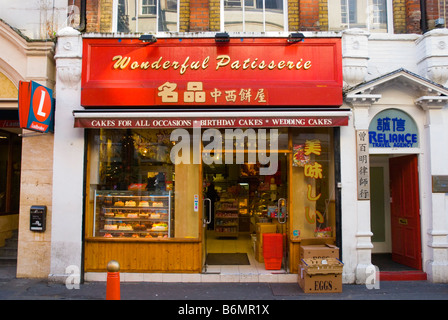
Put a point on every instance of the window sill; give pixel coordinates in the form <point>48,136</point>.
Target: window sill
<point>131,240</point>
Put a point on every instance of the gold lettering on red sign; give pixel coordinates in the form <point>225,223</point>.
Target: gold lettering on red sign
<point>222,62</point>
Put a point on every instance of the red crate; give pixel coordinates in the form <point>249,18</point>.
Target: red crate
<point>272,250</point>
<point>272,245</point>
<point>272,263</point>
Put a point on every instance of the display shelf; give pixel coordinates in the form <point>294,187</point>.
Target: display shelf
<point>227,218</point>
<point>127,214</point>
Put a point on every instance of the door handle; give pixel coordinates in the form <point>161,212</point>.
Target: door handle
<point>208,219</point>
<point>281,216</point>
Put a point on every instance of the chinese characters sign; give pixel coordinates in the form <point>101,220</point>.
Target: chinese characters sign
<point>363,164</point>
<point>195,94</point>
<point>189,72</point>
<point>308,156</point>
<point>393,128</point>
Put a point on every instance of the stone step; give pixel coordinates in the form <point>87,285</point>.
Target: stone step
<point>11,243</point>
<point>8,261</point>
<point>8,251</point>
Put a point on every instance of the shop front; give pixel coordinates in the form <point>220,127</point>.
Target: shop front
<point>195,150</point>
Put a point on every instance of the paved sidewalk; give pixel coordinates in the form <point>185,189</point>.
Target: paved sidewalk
<point>12,288</point>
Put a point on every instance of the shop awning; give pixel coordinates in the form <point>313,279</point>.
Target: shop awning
<point>210,119</point>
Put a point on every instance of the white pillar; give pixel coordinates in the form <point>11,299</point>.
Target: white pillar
<point>432,57</point>
<point>436,247</point>
<point>356,232</point>
<point>355,56</point>
<point>348,201</point>
<point>68,167</point>
<point>363,234</point>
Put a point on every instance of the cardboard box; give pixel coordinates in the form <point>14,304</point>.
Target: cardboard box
<point>320,275</point>
<point>322,266</point>
<point>318,251</point>
<point>320,283</point>
<point>259,252</point>
<point>266,228</point>
<point>260,228</point>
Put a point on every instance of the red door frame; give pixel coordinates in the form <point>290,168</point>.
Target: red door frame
<point>405,211</point>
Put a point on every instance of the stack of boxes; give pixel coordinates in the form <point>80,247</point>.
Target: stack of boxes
<point>320,269</point>
<point>262,228</point>
<point>272,250</point>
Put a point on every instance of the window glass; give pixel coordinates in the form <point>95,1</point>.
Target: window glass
<point>132,186</point>
<point>10,164</point>
<point>16,150</point>
<point>254,15</point>
<point>365,14</point>
<point>147,16</point>
<point>4,155</point>
<point>313,195</point>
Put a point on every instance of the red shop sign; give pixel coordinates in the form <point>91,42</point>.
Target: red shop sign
<point>211,122</point>
<point>200,72</point>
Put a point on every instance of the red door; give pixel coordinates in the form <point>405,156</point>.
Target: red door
<point>405,211</point>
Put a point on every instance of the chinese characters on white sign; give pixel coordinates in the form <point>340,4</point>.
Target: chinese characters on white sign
<point>362,165</point>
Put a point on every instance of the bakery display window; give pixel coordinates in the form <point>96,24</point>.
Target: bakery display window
<point>132,189</point>
<point>313,195</point>
<point>132,214</point>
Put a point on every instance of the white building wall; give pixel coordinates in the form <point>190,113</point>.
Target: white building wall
<point>389,52</point>
<point>36,19</point>
<point>426,56</point>
<point>68,168</point>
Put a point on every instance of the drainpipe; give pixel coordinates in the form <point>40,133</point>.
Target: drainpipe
<point>82,22</point>
<point>423,20</point>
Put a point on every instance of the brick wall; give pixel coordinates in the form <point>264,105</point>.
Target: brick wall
<point>106,15</point>
<point>199,15</point>
<point>309,15</point>
<point>432,12</point>
<point>413,16</point>
<point>184,15</point>
<point>323,15</point>
<point>215,15</point>
<point>303,15</point>
<point>92,16</point>
<point>293,15</point>
<point>399,8</point>
<point>436,9</point>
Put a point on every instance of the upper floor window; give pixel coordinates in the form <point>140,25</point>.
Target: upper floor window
<point>146,16</point>
<point>371,15</point>
<point>253,15</point>
<point>149,7</point>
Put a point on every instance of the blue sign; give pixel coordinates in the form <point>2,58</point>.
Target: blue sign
<point>36,107</point>
<point>393,128</point>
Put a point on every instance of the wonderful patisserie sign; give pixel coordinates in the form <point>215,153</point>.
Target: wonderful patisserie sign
<point>199,72</point>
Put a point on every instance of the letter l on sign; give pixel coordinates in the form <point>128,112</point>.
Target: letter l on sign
<point>41,105</point>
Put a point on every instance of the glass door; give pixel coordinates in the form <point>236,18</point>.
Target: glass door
<point>206,220</point>
<point>245,185</point>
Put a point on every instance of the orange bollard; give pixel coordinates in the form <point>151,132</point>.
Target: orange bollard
<point>113,281</point>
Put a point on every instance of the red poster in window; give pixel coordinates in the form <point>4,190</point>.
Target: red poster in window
<point>199,72</point>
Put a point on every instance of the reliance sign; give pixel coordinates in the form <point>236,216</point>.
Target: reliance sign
<point>393,128</point>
